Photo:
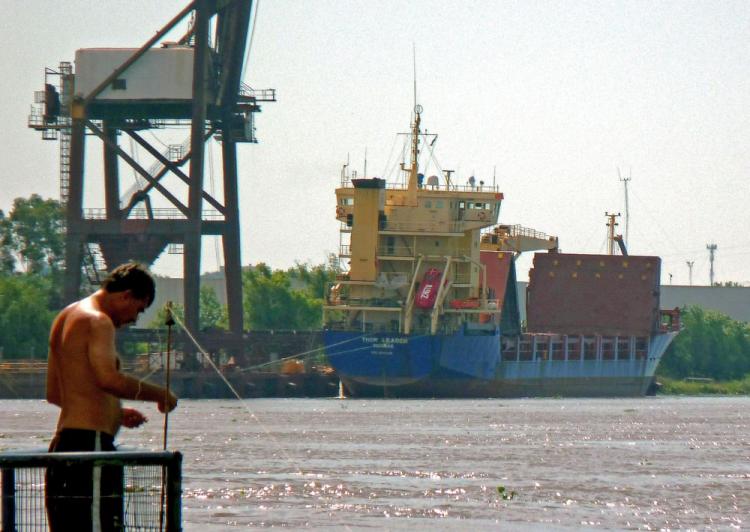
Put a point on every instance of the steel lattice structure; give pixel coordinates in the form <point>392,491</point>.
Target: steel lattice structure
<point>219,106</point>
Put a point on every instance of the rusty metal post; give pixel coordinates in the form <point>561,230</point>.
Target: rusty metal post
<point>192,257</point>
<point>74,214</point>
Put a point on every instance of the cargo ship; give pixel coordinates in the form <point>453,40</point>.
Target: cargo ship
<point>426,304</point>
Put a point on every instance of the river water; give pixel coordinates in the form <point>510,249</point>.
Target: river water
<point>650,463</point>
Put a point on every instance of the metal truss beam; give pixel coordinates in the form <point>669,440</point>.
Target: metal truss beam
<point>137,167</point>
<point>170,166</point>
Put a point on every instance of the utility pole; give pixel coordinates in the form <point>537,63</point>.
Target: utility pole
<point>611,224</point>
<point>625,181</point>
<point>690,269</point>
<point>711,250</point>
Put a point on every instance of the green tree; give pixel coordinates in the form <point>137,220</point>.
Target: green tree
<point>35,233</point>
<point>317,279</point>
<point>710,345</point>
<point>213,315</point>
<point>270,302</point>
<point>7,245</point>
<point>25,315</point>
<point>728,283</point>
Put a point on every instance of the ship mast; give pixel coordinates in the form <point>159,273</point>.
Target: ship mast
<point>414,169</point>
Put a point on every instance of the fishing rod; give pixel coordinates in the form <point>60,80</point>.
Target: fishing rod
<point>169,322</point>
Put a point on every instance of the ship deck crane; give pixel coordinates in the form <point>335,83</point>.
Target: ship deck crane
<point>518,239</point>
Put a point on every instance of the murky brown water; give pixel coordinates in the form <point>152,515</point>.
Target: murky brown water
<point>649,463</point>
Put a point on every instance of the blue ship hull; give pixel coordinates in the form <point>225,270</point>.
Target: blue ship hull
<point>468,365</point>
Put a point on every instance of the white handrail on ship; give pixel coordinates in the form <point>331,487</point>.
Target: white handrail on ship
<point>395,185</point>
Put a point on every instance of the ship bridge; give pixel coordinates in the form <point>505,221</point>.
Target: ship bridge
<point>440,209</point>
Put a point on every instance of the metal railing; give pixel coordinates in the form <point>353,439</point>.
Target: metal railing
<point>259,95</point>
<point>519,230</point>
<point>346,182</point>
<point>158,214</point>
<point>25,366</point>
<point>425,227</point>
<point>147,494</point>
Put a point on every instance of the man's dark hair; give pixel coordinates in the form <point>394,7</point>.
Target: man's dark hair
<point>134,277</point>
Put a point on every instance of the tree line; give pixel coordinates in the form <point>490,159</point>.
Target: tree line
<point>289,299</point>
<point>32,244</point>
<point>711,345</point>
<point>32,247</point>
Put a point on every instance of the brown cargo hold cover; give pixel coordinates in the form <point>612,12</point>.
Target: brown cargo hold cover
<point>593,294</point>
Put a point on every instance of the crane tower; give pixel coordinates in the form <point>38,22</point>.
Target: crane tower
<point>192,83</point>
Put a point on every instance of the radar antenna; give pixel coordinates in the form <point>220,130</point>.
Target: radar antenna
<point>625,181</point>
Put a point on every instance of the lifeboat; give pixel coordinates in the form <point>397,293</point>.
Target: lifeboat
<point>428,289</point>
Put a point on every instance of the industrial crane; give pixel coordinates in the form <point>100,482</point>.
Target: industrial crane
<point>193,83</point>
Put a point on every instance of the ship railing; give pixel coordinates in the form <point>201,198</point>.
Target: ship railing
<point>386,250</point>
<point>388,280</point>
<point>152,214</point>
<point>472,188</point>
<point>528,232</point>
<point>369,302</point>
<point>424,227</point>
<point>150,497</point>
<point>346,182</point>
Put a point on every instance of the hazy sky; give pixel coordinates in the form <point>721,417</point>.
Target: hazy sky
<point>551,96</point>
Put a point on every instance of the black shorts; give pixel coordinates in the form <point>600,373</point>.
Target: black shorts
<point>77,494</point>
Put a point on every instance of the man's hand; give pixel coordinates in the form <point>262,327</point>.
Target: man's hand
<point>167,404</point>
<point>132,418</point>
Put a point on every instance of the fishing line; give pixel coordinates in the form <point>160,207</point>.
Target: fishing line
<point>207,357</point>
<point>303,353</point>
<point>296,356</point>
<point>266,431</point>
<point>306,354</point>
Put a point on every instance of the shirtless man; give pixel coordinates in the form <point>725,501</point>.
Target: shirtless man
<point>84,380</point>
